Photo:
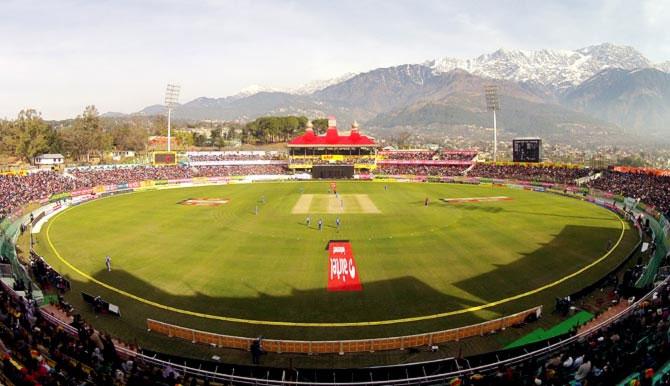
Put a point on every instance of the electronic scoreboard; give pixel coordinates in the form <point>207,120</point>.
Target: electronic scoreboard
<point>527,150</point>
<point>164,158</point>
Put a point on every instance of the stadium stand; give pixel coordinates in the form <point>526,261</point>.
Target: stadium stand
<point>549,173</point>
<point>422,170</point>
<point>38,349</point>
<point>651,189</point>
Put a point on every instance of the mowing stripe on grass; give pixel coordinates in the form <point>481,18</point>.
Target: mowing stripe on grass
<point>330,324</point>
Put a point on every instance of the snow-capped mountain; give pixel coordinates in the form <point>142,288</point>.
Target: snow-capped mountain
<point>255,89</point>
<point>303,89</point>
<point>558,69</point>
<point>664,66</point>
<point>593,91</point>
<point>317,85</point>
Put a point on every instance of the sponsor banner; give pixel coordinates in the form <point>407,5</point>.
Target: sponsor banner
<point>236,162</point>
<point>180,181</point>
<point>76,200</point>
<point>160,182</point>
<point>134,185</point>
<point>99,189</point>
<point>122,186</point>
<point>219,180</point>
<point>365,166</point>
<point>115,192</point>
<point>14,173</point>
<point>342,272</point>
<point>332,157</point>
<point>538,188</point>
<point>300,166</point>
<point>81,192</point>
<point>59,196</point>
<point>200,180</point>
<point>146,184</point>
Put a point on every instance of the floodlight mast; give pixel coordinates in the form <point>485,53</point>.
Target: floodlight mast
<point>493,104</point>
<point>171,100</point>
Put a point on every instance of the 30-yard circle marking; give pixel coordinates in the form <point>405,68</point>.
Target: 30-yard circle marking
<point>330,324</point>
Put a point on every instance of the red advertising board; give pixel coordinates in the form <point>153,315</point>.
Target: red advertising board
<point>342,272</point>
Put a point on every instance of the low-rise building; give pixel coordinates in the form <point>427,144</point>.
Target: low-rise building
<point>49,161</point>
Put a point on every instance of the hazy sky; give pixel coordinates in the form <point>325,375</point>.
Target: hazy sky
<point>58,56</point>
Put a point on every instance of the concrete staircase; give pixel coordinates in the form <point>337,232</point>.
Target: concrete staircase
<point>610,312</point>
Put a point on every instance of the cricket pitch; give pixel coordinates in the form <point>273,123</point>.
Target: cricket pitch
<point>331,203</point>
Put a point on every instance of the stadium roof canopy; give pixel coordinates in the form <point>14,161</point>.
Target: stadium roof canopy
<point>332,138</point>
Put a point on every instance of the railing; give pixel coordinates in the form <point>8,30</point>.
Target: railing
<point>427,379</point>
<point>344,346</point>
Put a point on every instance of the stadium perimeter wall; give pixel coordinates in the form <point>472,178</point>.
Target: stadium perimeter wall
<point>346,346</point>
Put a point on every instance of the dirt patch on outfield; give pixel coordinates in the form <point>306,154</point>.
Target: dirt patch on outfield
<point>303,204</point>
<point>475,199</point>
<point>366,204</point>
<point>204,201</point>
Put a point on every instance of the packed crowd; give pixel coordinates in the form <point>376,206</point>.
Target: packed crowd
<point>428,155</point>
<point>349,160</point>
<point>234,156</point>
<point>85,178</point>
<point>638,343</point>
<point>36,352</point>
<point>46,276</point>
<point>650,189</point>
<point>561,175</point>
<point>421,170</point>
<point>408,155</point>
<point>18,190</point>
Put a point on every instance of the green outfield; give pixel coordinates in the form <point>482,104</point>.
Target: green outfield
<point>237,256</point>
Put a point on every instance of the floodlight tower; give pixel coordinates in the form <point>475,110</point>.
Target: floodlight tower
<point>493,104</point>
<point>171,100</point>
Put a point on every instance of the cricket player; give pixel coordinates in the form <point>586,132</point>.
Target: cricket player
<point>108,263</point>
<point>308,221</point>
<point>320,223</point>
<point>337,223</point>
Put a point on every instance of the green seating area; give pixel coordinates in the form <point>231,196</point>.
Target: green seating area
<point>562,328</point>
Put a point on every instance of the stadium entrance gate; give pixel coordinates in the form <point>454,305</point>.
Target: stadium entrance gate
<point>333,171</point>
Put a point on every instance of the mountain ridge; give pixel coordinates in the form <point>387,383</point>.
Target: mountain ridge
<point>554,83</point>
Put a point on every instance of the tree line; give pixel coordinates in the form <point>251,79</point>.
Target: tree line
<point>274,129</point>
<point>89,134</point>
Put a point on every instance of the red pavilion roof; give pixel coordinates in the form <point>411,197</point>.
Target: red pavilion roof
<point>332,138</point>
